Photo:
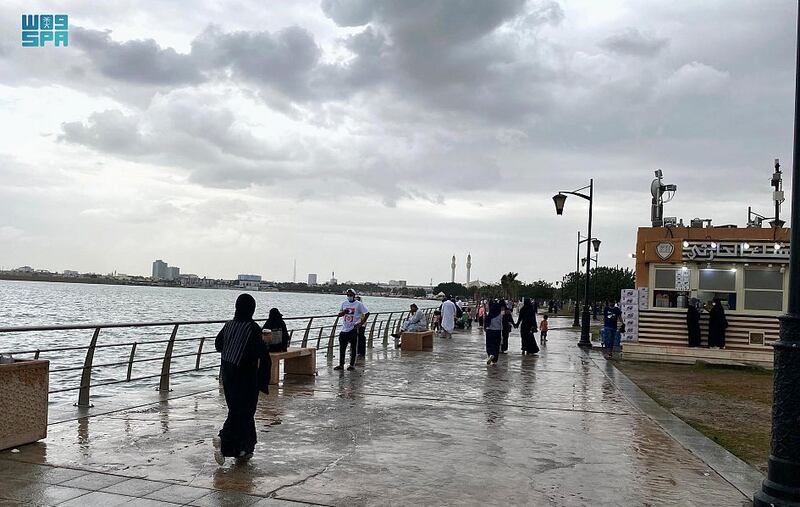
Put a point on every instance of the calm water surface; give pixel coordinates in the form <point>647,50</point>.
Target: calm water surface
<point>53,303</point>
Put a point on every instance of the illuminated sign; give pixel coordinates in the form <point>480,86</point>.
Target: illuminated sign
<point>731,250</point>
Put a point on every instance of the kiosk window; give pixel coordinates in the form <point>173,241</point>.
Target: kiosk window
<point>763,290</point>
<point>718,283</point>
<point>668,288</point>
<point>717,280</point>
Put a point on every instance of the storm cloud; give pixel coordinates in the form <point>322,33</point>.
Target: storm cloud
<point>456,119</point>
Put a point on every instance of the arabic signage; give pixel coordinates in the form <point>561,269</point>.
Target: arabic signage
<point>732,250</point>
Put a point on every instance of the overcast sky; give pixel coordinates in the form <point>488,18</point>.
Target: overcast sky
<point>377,138</point>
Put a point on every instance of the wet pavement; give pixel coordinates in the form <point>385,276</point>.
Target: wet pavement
<point>406,428</point>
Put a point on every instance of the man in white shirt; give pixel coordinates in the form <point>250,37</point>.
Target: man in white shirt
<point>448,317</point>
<point>414,322</point>
<point>354,314</point>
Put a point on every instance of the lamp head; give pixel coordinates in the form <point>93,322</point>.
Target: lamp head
<point>559,199</point>
<point>596,244</point>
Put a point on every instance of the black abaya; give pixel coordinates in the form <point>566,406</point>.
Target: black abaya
<point>717,323</point>
<point>527,328</point>
<point>693,326</point>
<point>245,370</point>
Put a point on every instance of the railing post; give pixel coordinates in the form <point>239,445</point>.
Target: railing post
<point>291,334</point>
<point>86,374</point>
<point>36,356</point>
<point>165,366</point>
<point>130,362</point>
<point>199,353</point>
<point>386,330</point>
<point>305,336</point>
<point>399,323</point>
<point>371,331</point>
<point>333,334</point>
<point>319,336</point>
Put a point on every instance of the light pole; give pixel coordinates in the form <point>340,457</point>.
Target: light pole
<point>782,485</point>
<point>578,263</point>
<point>559,199</point>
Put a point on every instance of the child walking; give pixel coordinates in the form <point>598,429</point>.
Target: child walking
<point>543,329</point>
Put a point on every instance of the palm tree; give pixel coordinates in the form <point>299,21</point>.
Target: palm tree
<point>510,284</point>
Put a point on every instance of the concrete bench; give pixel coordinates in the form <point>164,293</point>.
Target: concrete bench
<point>296,361</point>
<point>419,340</point>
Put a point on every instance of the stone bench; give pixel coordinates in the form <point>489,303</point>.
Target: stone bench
<point>419,340</point>
<point>296,361</point>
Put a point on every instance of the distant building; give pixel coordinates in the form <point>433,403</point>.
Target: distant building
<point>173,272</point>
<point>70,273</point>
<point>160,270</point>
<point>398,283</point>
<point>24,269</point>
<point>312,279</point>
<point>249,282</point>
<point>333,281</point>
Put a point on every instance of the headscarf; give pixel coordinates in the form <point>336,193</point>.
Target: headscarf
<point>495,308</point>
<point>527,308</point>
<point>245,308</point>
<point>275,319</point>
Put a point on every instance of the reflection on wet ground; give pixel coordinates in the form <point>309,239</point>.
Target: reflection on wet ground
<point>407,428</point>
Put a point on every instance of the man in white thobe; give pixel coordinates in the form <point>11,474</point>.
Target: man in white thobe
<point>414,323</point>
<point>448,317</point>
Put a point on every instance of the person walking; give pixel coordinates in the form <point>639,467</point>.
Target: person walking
<point>493,326</point>
<point>362,338</point>
<point>693,324</point>
<point>543,327</point>
<point>244,371</point>
<point>717,324</point>
<point>526,321</point>
<point>354,314</point>
<point>448,310</point>
<point>508,323</point>
<point>611,317</point>
<point>279,335</point>
<point>481,314</point>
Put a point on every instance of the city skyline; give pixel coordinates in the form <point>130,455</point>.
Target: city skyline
<point>377,140</point>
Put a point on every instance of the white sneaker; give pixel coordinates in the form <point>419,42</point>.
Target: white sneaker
<point>218,457</point>
<point>489,360</point>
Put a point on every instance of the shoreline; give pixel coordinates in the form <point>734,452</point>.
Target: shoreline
<point>104,280</point>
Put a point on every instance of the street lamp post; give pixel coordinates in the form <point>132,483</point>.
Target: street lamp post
<point>782,485</point>
<point>578,263</point>
<point>559,200</point>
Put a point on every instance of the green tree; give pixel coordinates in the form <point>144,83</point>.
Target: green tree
<point>606,283</point>
<point>510,284</point>
<point>454,289</point>
<point>539,289</point>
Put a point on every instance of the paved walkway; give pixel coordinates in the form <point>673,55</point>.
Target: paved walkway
<point>408,428</point>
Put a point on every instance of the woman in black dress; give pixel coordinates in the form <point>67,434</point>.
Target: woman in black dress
<point>527,324</point>
<point>693,324</point>
<point>717,323</point>
<point>280,335</point>
<point>244,371</point>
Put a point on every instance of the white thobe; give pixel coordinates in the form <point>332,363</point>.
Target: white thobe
<point>448,316</point>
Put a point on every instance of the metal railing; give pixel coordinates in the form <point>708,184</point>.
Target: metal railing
<point>315,335</point>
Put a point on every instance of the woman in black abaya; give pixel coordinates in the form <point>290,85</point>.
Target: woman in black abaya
<point>693,324</point>
<point>276,324</point>
<point>245,371</point>
<point>717,323</point>
<point>526,323</point>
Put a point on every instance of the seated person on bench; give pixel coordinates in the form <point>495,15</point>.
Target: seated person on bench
<point>279,341</point>
<point>414,323</point>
